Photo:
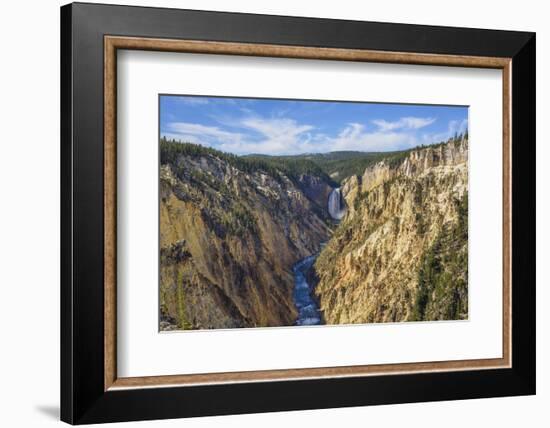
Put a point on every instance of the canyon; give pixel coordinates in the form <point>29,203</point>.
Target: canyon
<point>231,229</point>
<point>338,238</point>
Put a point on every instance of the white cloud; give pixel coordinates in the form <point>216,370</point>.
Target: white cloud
<point>276,136</point>
<point>276,128</point>
<point>286,136</point>
<point>202,131</point>
<point>187,138</point>
<point>259,135</point>
<point>458,126</point>
<point>193,101</point>
<point>453,127</point>
<point>354,137</point>
<point>403,123</point>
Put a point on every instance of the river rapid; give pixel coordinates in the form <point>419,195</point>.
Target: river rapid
<point>308,308</point>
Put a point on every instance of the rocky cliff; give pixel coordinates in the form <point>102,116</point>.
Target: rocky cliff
<point>400,253</point>
<point>230,231</point>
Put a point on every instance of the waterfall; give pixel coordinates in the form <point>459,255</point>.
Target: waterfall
<point>336,206</point>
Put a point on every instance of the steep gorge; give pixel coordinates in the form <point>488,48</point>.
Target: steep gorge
<point>260,241</point>
<point>400,252</point>
<point>230,231</point>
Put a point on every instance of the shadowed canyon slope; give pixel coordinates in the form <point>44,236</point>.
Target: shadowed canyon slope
<point>231,229</point>
<point>401,251</point>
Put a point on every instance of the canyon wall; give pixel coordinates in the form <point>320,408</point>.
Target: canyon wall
<point>230,232</point>
<point>401,251</point>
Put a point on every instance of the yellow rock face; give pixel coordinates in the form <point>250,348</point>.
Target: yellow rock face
<point>229,239</point>
<point>401,251</point>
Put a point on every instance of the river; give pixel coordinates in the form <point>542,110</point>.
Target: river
<point>308,308</point>
<point>304,299</point>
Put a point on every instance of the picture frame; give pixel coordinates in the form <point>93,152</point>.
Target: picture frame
<point>91,390</point>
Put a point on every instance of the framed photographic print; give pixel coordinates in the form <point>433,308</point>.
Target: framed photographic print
<point>266,213</point>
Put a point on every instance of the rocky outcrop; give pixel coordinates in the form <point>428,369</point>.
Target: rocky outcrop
<point>230,232</point>
<point>400,253</point>
<point>415,163</point>
<point>315,188</point>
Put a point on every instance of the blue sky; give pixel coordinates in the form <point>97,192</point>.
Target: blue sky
<point>282,127</point>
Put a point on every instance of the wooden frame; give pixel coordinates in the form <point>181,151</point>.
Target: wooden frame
<point>113,43</point>
<point>506,55</point>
